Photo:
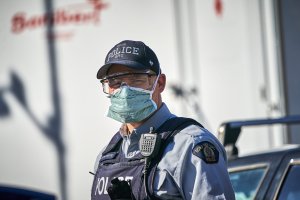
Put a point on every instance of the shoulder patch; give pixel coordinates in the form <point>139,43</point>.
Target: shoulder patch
<point>207,152</point>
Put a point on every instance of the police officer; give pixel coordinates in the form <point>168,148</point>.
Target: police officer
<point>190,163</point>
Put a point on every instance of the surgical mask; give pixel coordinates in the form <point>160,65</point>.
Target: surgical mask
<point>130,104</point>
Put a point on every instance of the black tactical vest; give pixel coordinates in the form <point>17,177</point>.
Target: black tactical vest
<point>113,163</point>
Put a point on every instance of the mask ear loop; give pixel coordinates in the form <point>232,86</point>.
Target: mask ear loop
<point>155,83</point>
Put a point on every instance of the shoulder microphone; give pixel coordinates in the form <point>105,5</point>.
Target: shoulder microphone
<point>149,144</point>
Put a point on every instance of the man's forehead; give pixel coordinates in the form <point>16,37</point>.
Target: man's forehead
<point>116,68</point>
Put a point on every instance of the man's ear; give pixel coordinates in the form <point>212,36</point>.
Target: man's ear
<point>161,83</point>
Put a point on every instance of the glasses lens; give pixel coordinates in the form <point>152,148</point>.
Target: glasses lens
<point>139,80</point>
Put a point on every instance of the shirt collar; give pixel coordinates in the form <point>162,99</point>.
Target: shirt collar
<point>156,120</point>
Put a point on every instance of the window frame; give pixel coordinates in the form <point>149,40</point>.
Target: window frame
<point>291,163</point>
<point>252,167</point>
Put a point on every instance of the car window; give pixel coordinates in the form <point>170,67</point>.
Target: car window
<point>290,189</point>
<point>246,181</point>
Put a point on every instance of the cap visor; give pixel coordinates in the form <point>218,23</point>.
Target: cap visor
<point>102,72</point>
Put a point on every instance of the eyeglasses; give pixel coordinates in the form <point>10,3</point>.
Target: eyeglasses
<point>133,79</point>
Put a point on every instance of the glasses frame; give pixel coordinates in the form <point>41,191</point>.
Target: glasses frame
<point>149,73</point>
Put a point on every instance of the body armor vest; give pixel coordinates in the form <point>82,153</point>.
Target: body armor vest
<point>113,163</point>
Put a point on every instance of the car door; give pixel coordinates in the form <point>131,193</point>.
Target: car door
<point>252,175</point>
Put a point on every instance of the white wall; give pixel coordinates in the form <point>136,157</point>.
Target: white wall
<point>224,53</point>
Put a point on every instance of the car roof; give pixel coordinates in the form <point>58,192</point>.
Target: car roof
<point>274,151</point>
<point>277,153</point>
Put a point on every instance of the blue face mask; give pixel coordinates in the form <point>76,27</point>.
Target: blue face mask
<point>130,104</point>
